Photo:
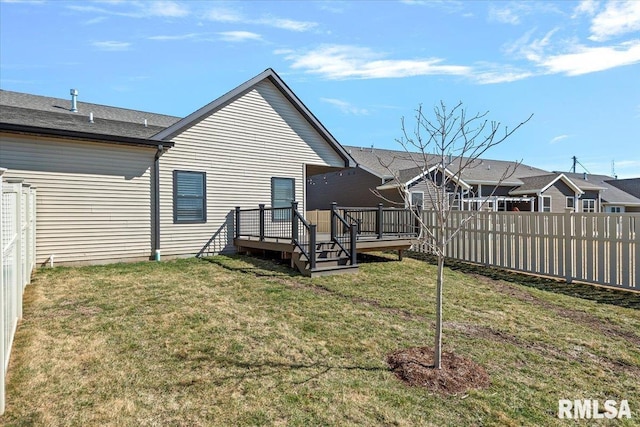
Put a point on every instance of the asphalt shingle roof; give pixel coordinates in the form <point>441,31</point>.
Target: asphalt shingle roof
<point>53,113</point>
<point>480,171</point>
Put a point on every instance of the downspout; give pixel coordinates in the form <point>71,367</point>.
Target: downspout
<point>156,203</point>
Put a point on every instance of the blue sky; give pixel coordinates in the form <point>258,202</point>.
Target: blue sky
<point>359,66</point>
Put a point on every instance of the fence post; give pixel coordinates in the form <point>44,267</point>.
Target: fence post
<point>353,230</point>
<point>294,221</point>
<point>332,222</point>
<point>569,251</point>
<point>312,246</point>
<point>379,221</point>
<point>261,230</point>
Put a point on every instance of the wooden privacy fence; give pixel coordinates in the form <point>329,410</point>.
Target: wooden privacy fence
<point>17,259</point>
<point>600,248</point>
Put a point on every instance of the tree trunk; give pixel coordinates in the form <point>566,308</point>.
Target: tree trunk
<point>437,349</point>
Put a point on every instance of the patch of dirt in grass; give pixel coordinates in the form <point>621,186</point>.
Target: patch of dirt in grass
<point>415,367</point>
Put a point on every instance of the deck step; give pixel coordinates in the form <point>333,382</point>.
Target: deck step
<point>331,270</point>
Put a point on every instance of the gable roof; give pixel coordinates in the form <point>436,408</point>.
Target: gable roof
<point>541,183</point>
<point>412,175</point>
<point>481,171</point>
<point>272,76</point>
<point>34,114</point>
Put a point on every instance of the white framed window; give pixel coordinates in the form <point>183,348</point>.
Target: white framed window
<point>546,203</point>
<point>588,205</point>
<point>189,197</point>
<point>417,199</point>
<point>282,194</point>
<point>571,202</point>
<point>615,209</point>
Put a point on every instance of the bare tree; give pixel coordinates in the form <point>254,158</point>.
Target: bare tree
<point>442,149</point>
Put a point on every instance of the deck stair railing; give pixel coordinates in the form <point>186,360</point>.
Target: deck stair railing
<point>344,233</point>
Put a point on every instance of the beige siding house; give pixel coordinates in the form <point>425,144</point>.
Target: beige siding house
<point>240,142</point>
<point>119,185</point>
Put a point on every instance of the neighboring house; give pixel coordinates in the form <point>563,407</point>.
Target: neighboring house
<point>374,181</point>
<point>400,178</point>
<point>607,193</point>
<point>116,184</point>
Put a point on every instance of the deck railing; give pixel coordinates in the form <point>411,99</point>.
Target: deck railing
<point>344,233</point>
<point>382,222</point>
<point>279,224</point>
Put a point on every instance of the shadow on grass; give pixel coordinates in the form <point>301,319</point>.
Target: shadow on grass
<point>267,266</point>
<point>266,368</point>
<point>618,297</point>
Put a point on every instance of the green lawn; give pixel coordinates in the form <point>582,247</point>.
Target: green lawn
<point>242,341</point>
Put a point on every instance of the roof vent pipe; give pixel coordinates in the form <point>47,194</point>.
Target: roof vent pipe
<point>584,176</point>
<point>74,100</point>
<point>145,122</point>
<point>91,117</point>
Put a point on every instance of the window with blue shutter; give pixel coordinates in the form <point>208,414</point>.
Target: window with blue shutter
<point>282,194</point>
<point>189,197</point>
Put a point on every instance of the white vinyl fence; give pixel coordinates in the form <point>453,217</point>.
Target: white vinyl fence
<point>17,259</point>
<point>600,248</point>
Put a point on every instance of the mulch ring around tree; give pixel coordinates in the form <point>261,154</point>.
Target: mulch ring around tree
<point>415,367</point>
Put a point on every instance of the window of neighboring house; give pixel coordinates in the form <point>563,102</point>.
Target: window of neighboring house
<point>417,199</point>
<point>502,205</point>
<point>189,197</point>
<point>282,194</point>
<point>546,203</point>
<point>570,202</point>
<point>615,209</point>
<point>588,205</point>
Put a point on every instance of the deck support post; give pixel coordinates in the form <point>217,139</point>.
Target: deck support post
<point>294,222</point>
<point>379,221</point>
<point>261,221</point>
<point>399,254</point>
<point>332,221</point>
<point>353,230</point>
<point>237,225</point>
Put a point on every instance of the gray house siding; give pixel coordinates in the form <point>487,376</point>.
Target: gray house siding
<point>558,192</point>
<point>241,146</point>
<point>93,199</point>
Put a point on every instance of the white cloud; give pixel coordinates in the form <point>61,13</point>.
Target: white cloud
<point>586,7</point>
<point>558,138</point>
<point>343,61</point>
<point>138,9</point>
<point>239,36</point>
<point>618,18</point>
<point>286,24</point>
<point>584,60</point>
<point>504,15</point>
<point>223,14</point>
<point>165,8</point>
<point>94,21</point>
<point>176,37</point>
<point>112,45</point>
<point>227,15</point>
<point>345,106</point>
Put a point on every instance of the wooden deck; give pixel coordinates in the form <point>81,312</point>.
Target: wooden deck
<point>315,252</point>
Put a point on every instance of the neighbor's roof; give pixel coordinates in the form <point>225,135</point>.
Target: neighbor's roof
<point>540,183</point>
<point>22,112</point>
<point>610,193</point>
<point>225,99</point>
<point>387,163</point>
<point>629,185</point>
